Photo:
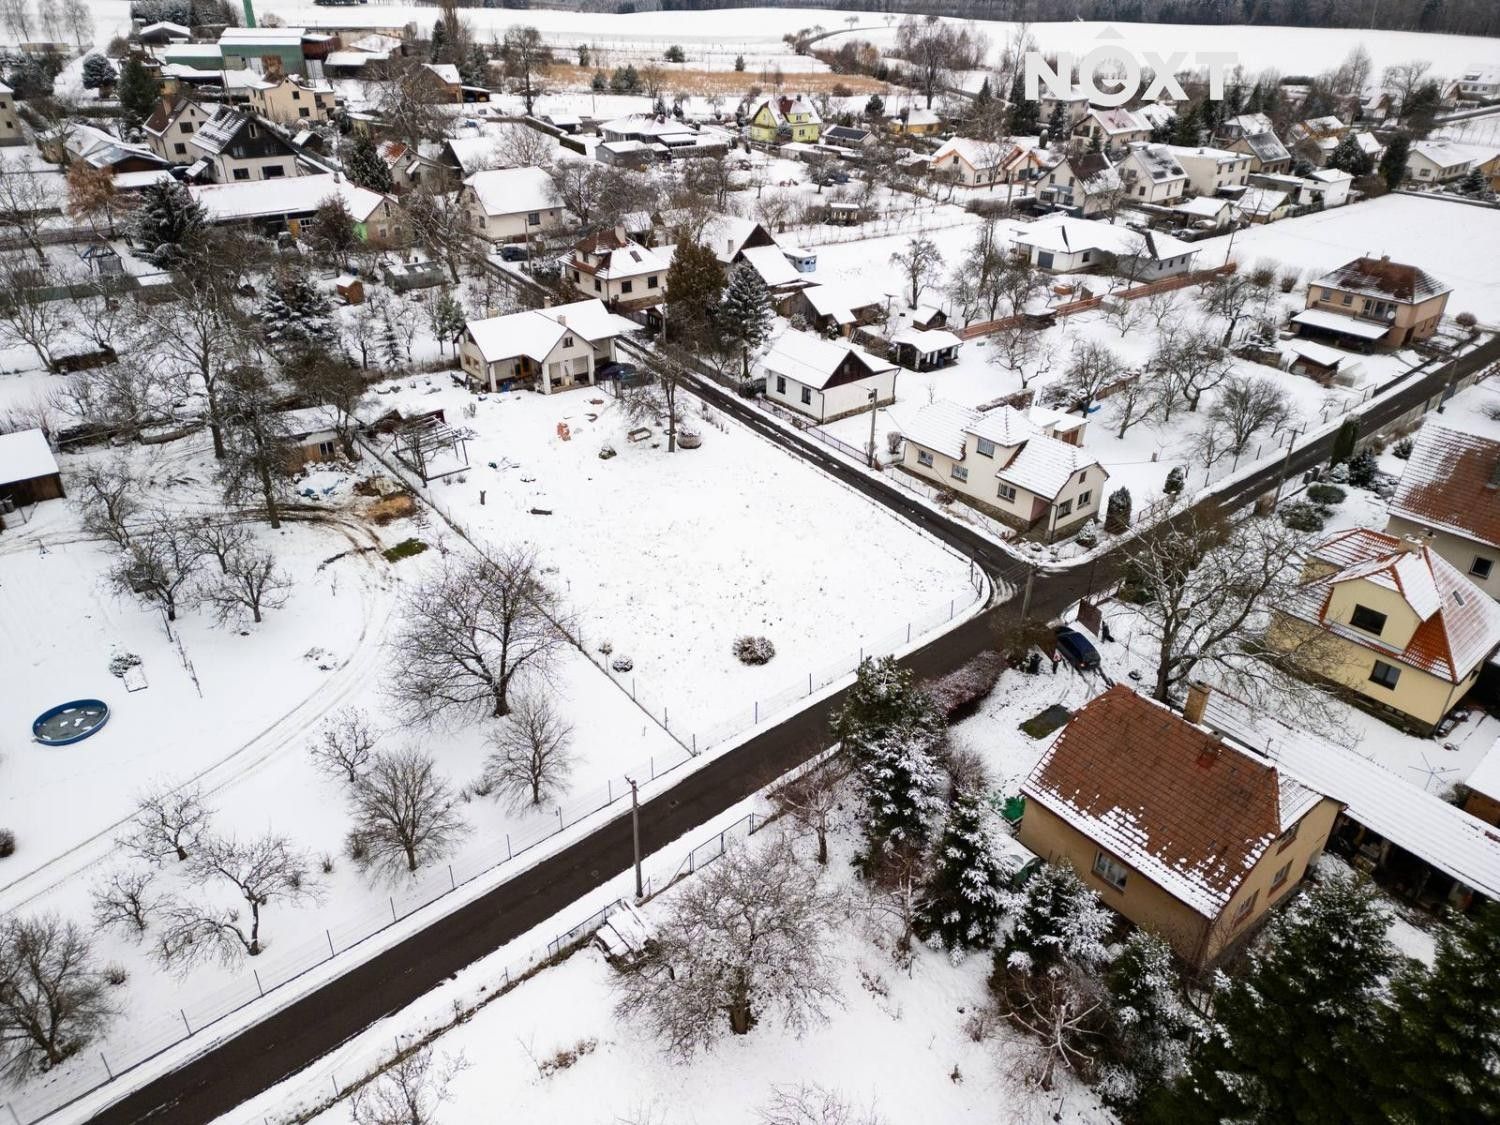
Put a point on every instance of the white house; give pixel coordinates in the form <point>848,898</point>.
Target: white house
<point>1029,469</point>
<point>1205,212</point>
<point>618,270</point>
<point>171,126</point>
<point>826,379</point>
<point>1075,103</point>
<point>237,146</point>
<point>986,163</point>
<point>1088,184</point>
<point>550,349</point>
<point>1436,162</point>
<point>1263,205</point>
<point>10,125</point>
<point>1209,169</point>
<point>1330,185</point>
<point>511,204</point>
<point>1152,174</point>
<point>1112,128</point>
<point>1065,245</point>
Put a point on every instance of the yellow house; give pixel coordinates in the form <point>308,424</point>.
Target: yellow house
<point>292,100</point>
<point>1401,629</point>
<point>780,119</point>
<point>1374,300</point>
<point>1189,836</point>
<point>916,122</point>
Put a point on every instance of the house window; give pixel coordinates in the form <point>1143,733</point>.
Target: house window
<point>242,173</point>
<point>984,447</point>
<point>1064,509</point>
<point>1083,499</point>
<point>533,218</point>
<point>806,396</point>
<point>924,458</point>
<point>187,126</point>
<point>326,450</point>
<point>597,286</point>
<point>626,286</point>
<point>296,96</point>
<point>651,282</point>
<point>1280,877</point>
<point>1244,910</point>
<point>960,473</point>
<point>1141,191</point>
<point>1348,299</point>
<point>1328,294</point>
<point>1367,619</point>
<point>575,277</point>
<point>304,112</point>
<point>1384,674</point>
<point>1480,567</point>
<point>1007,492</point>
<point>272,172</point>
<point>179,148</point>
<point>1111,870</point>
<point>567,341</point>
<point>1284,841</point>
<point>781,384</point>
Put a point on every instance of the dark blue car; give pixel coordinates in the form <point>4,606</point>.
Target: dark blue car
<point>1077,650</point>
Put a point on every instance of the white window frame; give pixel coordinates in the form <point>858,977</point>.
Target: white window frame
<point>924,457</point>
<point>1110,870</point>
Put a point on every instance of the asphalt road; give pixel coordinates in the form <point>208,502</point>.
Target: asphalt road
<point>288,1040</point>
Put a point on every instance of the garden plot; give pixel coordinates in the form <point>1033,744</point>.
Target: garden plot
<point>670,557</point>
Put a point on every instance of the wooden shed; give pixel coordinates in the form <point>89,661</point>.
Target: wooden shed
<point>28,472</point>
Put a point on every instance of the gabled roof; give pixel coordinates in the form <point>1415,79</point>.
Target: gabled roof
<point>216,134</point>
<point>782,107</point>
<point>1452,483</point>
<point>621,256</point>
<point>445,71</point>
<point>25,455</point>
<point>813,361</point>
<point>1117,120</point>
<point>290,195</point>
<point>1033,460</point>
<point>1384,279</point>
<point>103,150</point>
<point>1204,206</point>
<point>1188,811</point>
<point>976,154</point>
<point>1063,235</point>
<point>513,191</point>
<point>1157,161</point>
<point>162,114</point>
<point>774,268</point>
<point>1261,201</point>
<point>1267,147</point>
<point>1442,153</point>
<point>927,341</point>
<point>535,332</point>
<point>1460,623</point>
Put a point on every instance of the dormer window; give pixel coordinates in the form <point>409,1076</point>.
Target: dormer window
<point>1367,619</point>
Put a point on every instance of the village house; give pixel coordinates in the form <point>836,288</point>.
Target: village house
<point>1316,138</point>
<point>162,32</point>
<point>1479,83</point>
<point>28,473</point>
<point>511,204</point>
<point>1113,129</point>
<point>1373,301</point>
<point>1074,104</point>
<point>849,136</point>
<point>1204,212</point>
<point>1328,186</point>
<point>782,118</point>
<point>1263,205</point>
<point>986,163</point>
<point>98,149</point>
<point>548,349</point>
<point>1210,169</point>
<point>915,121</point>
<point>1189,836</point>
<point>1449,497</point>
<point>1152,174</point>
<point>1066,245</point>
<point>1252,135</point>
<point>1437,162</point>
<point>236,146</point>
<point>1028,469</point>
<point>10,125</point>
<point>447,84</point>
<point>826,379</point>
<point>619,271</point>
<point>291,100</point>
<point>171,126</point>
<point>1085,185</point>
<point>837,308</point>
<point>286,204</point>
<point>1392,622</point>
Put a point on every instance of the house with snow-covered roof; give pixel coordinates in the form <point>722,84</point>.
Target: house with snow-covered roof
<point>28,471</point>
<point>1373,301</point>
<point>293,100</point>
<point>548,349</point>
<point>1026,468</point>
<point>1449,496</point>
<point>1437,162</point>
<point>782,118</point>
<point>1253,135</point>
<point>511,204</point>
<point>1391,622</point>
<point>238,146</point>
<point>1113,128</point>
<point>618,270</point>
<point>915,121</point>
<point>1188,835</point>
<point>1209,170</point>
<point>1152,174</point>
<point>1087,185</point>
<point>285,204</point>
<point>826,379</point>
<point>976,163</point>
<point>1067,245</point>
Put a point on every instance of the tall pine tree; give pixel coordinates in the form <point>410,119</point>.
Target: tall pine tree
<point>962,906</point>
<point>1025,115</point>
<point>167,222</point>
<point>364,165</point>
<point>1152,1026</point>
<point>296,314</point>
<point>1056,919</point>
<point>1393,160</point>
<point>1347,156</point>
<point>745,314</point>
<point>137,90</point>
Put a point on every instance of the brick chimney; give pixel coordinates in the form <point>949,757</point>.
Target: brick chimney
<point>1411,544</point>
<point>1197,701</point>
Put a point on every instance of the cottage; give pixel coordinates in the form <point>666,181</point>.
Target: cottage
<point>1073,104</point>
<point>1390,621</point>
<point>28,472</point>
<point>1316,138</point>
<point>1066,245</point>
<point>548,349</point>
<point>311,436</point>
<point>838,308</point>
<point>916,122</point>
<point>1262,205</point>
<point>1437,162</point>
<point>781,118</point>
<point>236,146</point>
<point>1253,135</point>
<point>1152,174</point>
<point>1027,469</point>
<point>172,125</point>
<point>1189,836</point>
<point>975,163</point>
<point>1114,129</point>
<point>290,100</point>
<point>1211,169</point>
<point>1449,496</point>
<point>849,136</point>
<point>162,32</point>
<point>826,379</point>
<point>99,149</point>
<point>1330,187</point>
<point>288,203</point>
<point>511,204</point>
<point>1373,300</point>
<point>1086,185</point>
<point>1207,213</point>
<point>619,271</point>
<point>445,81</point>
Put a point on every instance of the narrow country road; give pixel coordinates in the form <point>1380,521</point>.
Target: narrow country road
<point>260,1056</point>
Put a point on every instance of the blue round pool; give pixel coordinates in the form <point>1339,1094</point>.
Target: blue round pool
<point>70,722</point>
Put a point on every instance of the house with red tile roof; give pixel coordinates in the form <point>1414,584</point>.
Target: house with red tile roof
<point>1185,833</point>
<point>1403,632</point>
<point>1450,494</point>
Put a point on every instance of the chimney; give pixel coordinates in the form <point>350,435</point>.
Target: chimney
<point>1197,701</point>
<point>1210,752</point>
<point>1411,544</point>
<point>562,318</point>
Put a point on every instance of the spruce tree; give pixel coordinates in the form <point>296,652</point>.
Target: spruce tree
<point>695,283</point>
<point>1186,127</point>
<point>475,69</point>
<point>439,39</point>
<point>1393,161</point>
<point>1290,1037</point>
<point>390,342</point>
<point>1152,1027</point>
<point>364,165</point>
<point>97,71</point>
<point>963,901</point>
<point>745,314</point>
<point>1474,182</point>
<point>137,90</point>
<point>1441,1048</point>
<point>1057,123</point>
<point>1057,919</point>
<point>295,314</point>
<point>1347,156</point>
<point>1025,116</point>
<point>875,107</point>
<point>167,222</point>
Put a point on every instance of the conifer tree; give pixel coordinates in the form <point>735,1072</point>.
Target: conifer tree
<point>1349,157</point>
<point>1474,182</point>
<point>97,71</point>
<point>1057,920</point>
<point>439,39</point>
<point>745,314</point>
<point>1393,160</point>
<point>295,314</point>
<point>963,902</point>
<point>1025,115</point>
<point>1057,123</point>
<point>875,107</point>
<point>137,90</point>
<point>364,165</point>
<point>390,342</point>
<point>1152,1025</point>
<point>168,222</point>
<point>475,69</point>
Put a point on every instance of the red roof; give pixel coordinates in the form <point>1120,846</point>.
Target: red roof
<point>1452,483</point>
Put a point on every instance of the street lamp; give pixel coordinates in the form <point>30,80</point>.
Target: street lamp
<point>635,832</point>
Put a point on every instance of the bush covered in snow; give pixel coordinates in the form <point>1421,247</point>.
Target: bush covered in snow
<point>754,650</point>
<point>1175,480</point>
<point>1302,516</point>
<point>1325,494</point>
<point>1363,470</point>
<point>1402,448</point>
<point>1088,535</point>
<point>7,842</point>
<point>958,694</point>
<point>622,664</point>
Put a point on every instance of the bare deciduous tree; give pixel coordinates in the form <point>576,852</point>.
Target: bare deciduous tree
<point>345,744</point>
<point>580,185</point>
<point>918,264</point>
<point>25,203</point>
<point>167,822</point>
<point>812,1104</point>
<point>158,563</point>
<point>27,315</point>
<point>440,223</point>
<point>468,632</point>
<point>250,585</point>
<point>122,901</point>
<point>1092,368</point>
<point>1245,406</point>
<point>657,398</point>
<point>745,938</point>
<point>408,1092</point>
<point>261,871</point>
<point>107,493</point>
<point>403,811</point>
<point>894,895</point>
<point>812,799</point>
<point>410,102</point>
<point>519,146</point>
<point>257,456</point>
<point>53,1000</point>
<point>533,758</point>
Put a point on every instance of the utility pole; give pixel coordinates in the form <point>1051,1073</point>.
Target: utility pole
<point>635,832</point>
<point>874,397</point>
<point>1026,597</point>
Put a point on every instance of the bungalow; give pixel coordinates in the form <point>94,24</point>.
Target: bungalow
<point>172,125</point>
<point>981,163</point>
<point>620,272</point>
<point>28,472</point>
<point>1065,245</point>
<point>1374,301</point>
<point>1188,835</point>
<point>629,154</point>
<point>1028,469</point>
<point>1207,212</point>
<point>1210,169</point>
<point>311,436</point>
<point>10,125</point>
<point>445,81</point>
<point>1152,174</point>
<point>1262,205</point>
<point>1113,129</point>
<point>925,349</point>
<point>1397,625</point>
<point>1086,185</point>
<point>511,204</point>
<point>782,118</point>
<point>838,309</point>
<point>826,379</point>
<point>1437,162</point>
<point>99,149</point>
<point>288,203</point>
<point>915,122</point>
<point>292,100</point>
<point>1449,496</point>
<point>549,349</point>
<point>237,146</point>
<point>848,136</point>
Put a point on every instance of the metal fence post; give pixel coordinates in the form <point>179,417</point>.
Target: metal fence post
<point>451,879</point>
<point>185,1023</point>
<point>393,907</point>
<point>107,1071</point>
<point>507,846</point>
<point>258,986</point>
<point>329,936</point>
<point>13,1116</point>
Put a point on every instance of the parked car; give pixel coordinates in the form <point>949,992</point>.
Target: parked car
<point>624,373</point>
<point>514,254</point>
<point>1077,650</point>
